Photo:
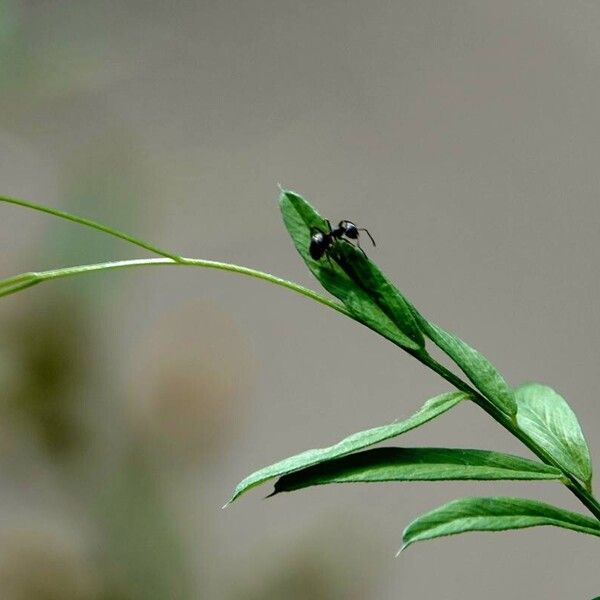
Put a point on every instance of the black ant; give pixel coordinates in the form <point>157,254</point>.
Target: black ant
<point>321,243</point>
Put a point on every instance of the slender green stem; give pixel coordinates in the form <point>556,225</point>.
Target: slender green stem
<point>94,225</point>
<point>424,357</point>
<point>14,284</point>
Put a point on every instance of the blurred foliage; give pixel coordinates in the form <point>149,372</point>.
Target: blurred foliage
<point>300,581</point>
<point>43,567</point>
<point>108,180</point>
<point>49,344</point>
<point>143,553</point>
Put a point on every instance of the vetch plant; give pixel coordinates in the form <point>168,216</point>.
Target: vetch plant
<point>534,413</point>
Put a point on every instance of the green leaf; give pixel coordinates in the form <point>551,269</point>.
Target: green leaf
<point>369,296</point>
<point>417,464</point>
<point>494,514</point>
<point>367,275</point>
<point>431,409</point>
<point>546,417</point>
<point>475,366</point>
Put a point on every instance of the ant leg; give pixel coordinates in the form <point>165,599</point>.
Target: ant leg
<point>329,225</point>
<point>329,259</point>
<point>360,248</point>
<point>370,236</point>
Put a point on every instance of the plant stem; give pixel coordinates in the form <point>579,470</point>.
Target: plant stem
<point>14,284</point>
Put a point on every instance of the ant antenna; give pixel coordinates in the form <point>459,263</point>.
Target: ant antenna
<point>370,236</point>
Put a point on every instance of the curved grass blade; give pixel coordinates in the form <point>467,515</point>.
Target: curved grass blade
<point>11,285</point>
<point>474,365</point>
<point>494,514</point>
<point>417,464</point>
<point>376,303</point>
<point>546,417</point>
<point>61,214</point>
<point>431,409</point>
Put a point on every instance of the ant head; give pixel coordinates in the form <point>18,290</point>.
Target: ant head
<point>350,230</point>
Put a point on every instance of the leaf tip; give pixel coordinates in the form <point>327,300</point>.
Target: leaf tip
<point>404,547</point>
<point>284,192</point>
<point>230,501</point>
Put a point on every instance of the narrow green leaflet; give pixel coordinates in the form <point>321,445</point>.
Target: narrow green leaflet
<point>546,417</point>
<point>494,514</point>
<point>374,302</point>
<point>367,275</point>
<point>431,409</point>
<point>417,464</point>
<point>475,366</point>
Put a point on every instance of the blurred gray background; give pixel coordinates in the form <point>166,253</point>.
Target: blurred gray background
<point>464,135</point>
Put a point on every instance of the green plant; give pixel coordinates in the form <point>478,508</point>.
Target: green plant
<point>534,413</point>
